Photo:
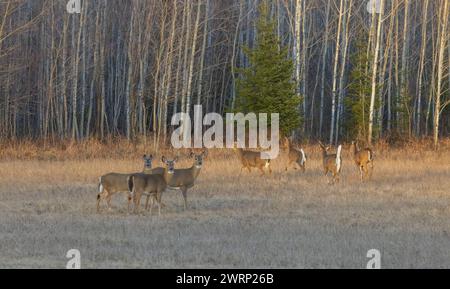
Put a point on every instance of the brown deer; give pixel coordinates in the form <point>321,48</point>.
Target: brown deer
<point>150,185</point>
<point>113,183</point>
<point>296,156</point>
<point>332,163</point>
<point>148,169</point>
<point>109,185</point>
<point>184,179</point>
<point>252,159</point>
<point>363,160</point>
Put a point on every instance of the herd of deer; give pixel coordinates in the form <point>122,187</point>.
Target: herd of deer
<point>152,182</point>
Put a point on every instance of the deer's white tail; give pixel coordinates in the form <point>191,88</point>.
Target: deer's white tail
<point>303,156</point>
<point>370,155</point>
<point>100,185</point>
<point>338,158</point>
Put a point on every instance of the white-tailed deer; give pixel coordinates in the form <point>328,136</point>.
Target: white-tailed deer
<point>252,159</point>
<point>184,179</point>
<point>144,184</point>
<point>148,169</point>
<point>332,163</point>
<point>363,160</point>
<point>150,185</point>
<point>113,183</point>
<point>296,156</point>
<point>109,185</point>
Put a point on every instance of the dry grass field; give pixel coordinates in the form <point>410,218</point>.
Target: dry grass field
<point>287,220</point>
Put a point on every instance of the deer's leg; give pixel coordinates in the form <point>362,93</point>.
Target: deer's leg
<point>184,192</point>
<point>137,202</point>
<point>153,200</point>
<point>326,172</point>
<point>159,209</point>
<point>151,204</point>
<point>366,171</point>
<point>330,180</point>
<point>99,198</point>
<point>158,200</point>
<point>108,201</point>
<point>146,202</point>
<point>326,176</point>
<point>130,199</point>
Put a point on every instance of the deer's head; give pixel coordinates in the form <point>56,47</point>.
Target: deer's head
<point>199,158</point>
<point>170,164</point>
<point>148,162</point>
<point>325,149</point>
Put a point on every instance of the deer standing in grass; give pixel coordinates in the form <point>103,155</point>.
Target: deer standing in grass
<point>296,156</point>
<point>184,179</point>
<point>252,159</point>
<point>332,163</point>
<point>148,169</point>
<point>363,160</point>
<point>114,183</point>
<point>150,185</point>
<point>109,185</point>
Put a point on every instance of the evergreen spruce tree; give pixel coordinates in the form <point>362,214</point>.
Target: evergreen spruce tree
<point>266,86</point>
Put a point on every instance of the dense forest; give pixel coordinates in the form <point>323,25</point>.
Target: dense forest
<point>369,69</point>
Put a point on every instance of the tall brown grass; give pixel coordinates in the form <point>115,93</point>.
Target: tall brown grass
<point>121,148</point>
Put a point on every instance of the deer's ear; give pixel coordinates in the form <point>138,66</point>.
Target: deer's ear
<point>205,153</point>
<point>144,157</point>
<point>191,154</point>
<point>163,159</point>
<point>175,159</point>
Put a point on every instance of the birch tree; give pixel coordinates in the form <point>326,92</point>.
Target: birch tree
<point>374,73</point>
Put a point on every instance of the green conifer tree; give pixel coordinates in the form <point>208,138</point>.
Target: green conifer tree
<point>267,86</point>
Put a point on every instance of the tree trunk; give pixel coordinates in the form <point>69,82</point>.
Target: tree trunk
<point>374,74</point>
